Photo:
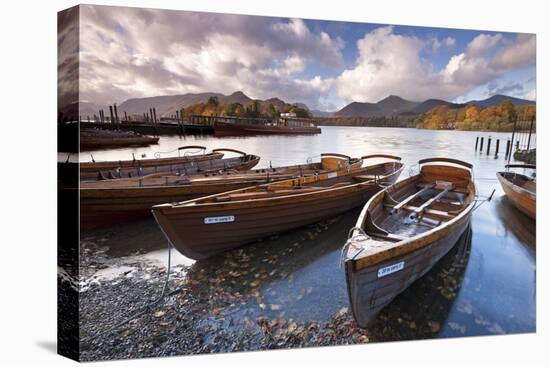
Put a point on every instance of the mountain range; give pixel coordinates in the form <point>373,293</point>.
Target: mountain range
<point>395,105</point>
<point>389,106</point>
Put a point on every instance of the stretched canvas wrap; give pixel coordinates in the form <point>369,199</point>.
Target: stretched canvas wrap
<point>241,183</point>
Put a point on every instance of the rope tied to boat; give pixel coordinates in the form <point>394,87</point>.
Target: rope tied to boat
<point>361,236</point>
<point>185,154</point>
<point>480,202</point>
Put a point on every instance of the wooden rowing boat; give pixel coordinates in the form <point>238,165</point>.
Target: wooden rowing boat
<point>95,166</point>
<point>118,200</point>
<point>183,167</point>
<point>206,226</point>
<point>520,189</point>
<point>403,231</point>
<point>92,139</point>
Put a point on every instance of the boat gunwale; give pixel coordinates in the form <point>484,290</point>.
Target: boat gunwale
<point>513,186</point>
<point>406,246</point>
<point>181,206</point>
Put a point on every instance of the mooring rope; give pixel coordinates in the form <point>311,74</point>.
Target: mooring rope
<point>361,236</point>
<point>185,154</point>
<point>480,202</point>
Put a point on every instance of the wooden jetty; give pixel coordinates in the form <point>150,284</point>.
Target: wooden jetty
<point>238,126</point>
<point>404,231</point>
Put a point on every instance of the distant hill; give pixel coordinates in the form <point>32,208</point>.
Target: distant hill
<point>395,105</point>
<point>168,105</point>
<point>388,107</point>
<point>359,109</point>
<point>391,105</point>
<point>319,113</point>
<point>431,103</point>
<point>498,99</point>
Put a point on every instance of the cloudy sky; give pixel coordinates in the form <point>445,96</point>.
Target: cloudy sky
<point>127,52</point>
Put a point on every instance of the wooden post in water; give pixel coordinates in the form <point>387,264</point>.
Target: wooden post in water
<point>517,144</point>
<point>507,148</point>
<point>477,141</point>
<point>111,116</point>
<point>497,147</point>
<point>151,113</point>
<point>530,132</point>
<point>125,116</point>
<point>116,114</point>
<point>488,145</point>
<point>154,114</point>
<point>481,145</point>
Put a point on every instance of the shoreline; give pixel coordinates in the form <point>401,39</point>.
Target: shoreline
<point>223,306</point>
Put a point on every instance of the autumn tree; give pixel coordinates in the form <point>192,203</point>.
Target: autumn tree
<point>213,101</point>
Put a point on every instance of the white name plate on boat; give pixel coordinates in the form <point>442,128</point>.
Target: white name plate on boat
<point>387,270</point>
<point>225,219</point>
<point>332,175</point>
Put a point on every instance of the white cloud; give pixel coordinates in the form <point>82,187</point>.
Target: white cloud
<point>518,54</point>
<point>131,52</point>
<point>390,63</point>
<point>449,42</point>
<point>436,43</point>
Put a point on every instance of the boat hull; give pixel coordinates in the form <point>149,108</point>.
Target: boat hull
<point>188,232</point>
<point>525,201</point>
<point>202,231</point>
<point>96,143</point>
<point>107,165</point>
<point>369,294</point>
<point>100,207</point>
<point>184,168</point>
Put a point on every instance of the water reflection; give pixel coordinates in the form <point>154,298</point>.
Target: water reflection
<point>423,309</point>
<point>517,222</point>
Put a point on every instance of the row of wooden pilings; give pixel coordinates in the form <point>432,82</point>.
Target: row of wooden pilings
<point>480,140</point>
<point>149,116</point>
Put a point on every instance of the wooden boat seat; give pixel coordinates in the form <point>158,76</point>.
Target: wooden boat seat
<point>428,203</point>
<point>404,202</point>
<point>432,213</point>
<point>457,188</point>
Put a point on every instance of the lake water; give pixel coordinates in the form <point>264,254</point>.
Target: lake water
<point>493,290</point>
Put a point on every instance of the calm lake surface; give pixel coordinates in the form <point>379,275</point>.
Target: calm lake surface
<point>495,292</point>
